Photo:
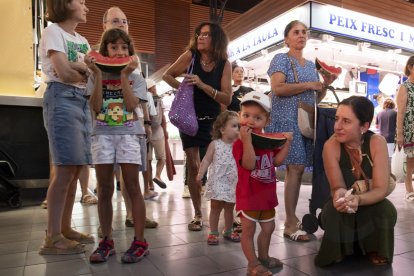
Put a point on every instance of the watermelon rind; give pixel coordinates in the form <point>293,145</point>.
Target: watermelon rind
<point>110,68</point>
<point>268,141</point>
<point>330,69</point>
<point>110,65</point>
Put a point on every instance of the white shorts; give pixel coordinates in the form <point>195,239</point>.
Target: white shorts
<point>120,149</point>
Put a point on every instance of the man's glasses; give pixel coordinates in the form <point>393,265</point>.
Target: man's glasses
<point>117,21</point>
<point>203,35</point>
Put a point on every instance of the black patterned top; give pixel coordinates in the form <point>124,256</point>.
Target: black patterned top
<point>408,124</point>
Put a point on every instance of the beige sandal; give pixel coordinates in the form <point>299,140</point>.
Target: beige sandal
<point>89,199</point>
<point>258,270</point>
<point>69,247</point>
<point>79,237</point>
<point>196,224</point>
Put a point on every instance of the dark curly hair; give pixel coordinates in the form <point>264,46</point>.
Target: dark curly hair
<point>221,121</point>
<point>219,41</point>
<point>388,103</point>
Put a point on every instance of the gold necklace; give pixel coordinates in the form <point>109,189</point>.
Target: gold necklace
<point>205,64</point>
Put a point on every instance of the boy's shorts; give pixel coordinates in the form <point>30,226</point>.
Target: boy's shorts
<point>258,216</point>
<point>111,149</point>
<point>157,146</point>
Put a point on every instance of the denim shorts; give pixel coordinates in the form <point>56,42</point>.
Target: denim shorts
<point>68,124</point>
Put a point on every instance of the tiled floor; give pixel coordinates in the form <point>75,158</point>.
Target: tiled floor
<point>175,250</point>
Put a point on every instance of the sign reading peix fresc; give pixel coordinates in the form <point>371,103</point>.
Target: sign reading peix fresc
<point>327,19</point>
<point>364,27</point>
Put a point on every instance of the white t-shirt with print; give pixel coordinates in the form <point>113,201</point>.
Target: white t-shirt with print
<point>74,47</point>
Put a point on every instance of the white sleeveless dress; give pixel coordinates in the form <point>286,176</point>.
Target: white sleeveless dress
<point>222,174</point>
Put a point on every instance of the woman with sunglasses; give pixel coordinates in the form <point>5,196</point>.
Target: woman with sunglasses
<point>211,78</point>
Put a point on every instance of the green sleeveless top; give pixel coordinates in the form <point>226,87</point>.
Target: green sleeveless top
<point>345,161</point>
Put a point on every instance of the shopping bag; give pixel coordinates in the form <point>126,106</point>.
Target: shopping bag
<point>182,113</point>
<point>399,164</point>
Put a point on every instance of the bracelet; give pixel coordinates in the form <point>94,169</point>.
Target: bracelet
<point>214,94</point>
<point>147,123</point>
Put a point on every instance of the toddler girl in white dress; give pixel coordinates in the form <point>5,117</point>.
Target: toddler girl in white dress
<point>222,175</point>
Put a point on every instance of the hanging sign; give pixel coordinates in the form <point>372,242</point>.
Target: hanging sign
<point>267,34</point>
<point>364,27</point>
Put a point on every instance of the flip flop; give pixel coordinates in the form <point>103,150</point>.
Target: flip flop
<point>151,194</point>
<point>296,236</point>
<point>409,197</point>
<point>159,183</point>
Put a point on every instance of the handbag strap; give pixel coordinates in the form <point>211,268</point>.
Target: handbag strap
<point>191,67</point>
<point>295,73</point>
<point>355,163</point>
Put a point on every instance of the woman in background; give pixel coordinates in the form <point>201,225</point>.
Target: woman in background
<point>405,124</point>
<point>239,90</point>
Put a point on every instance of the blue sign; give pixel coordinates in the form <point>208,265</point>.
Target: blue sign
<point>364,27</point>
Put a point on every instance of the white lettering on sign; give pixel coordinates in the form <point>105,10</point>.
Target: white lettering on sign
<point>267,34</point>
<point>358,25</point>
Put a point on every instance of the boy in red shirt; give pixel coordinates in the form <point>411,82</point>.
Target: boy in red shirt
<point>256,197</point>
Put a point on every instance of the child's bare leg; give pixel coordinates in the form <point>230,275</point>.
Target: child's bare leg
<point>228,215</point>
<point>125,195</point>
<point>263,240</point>
<point>216,206</point>
<point>247,243</point>
<point>130,176</point>
<point>104,175</point>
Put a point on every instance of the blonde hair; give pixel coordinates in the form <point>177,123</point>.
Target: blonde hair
<point>221,121</point>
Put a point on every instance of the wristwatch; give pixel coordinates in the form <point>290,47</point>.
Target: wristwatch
<point>147,123</point>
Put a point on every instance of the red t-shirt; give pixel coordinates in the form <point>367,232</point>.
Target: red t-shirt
<point>256,189</point>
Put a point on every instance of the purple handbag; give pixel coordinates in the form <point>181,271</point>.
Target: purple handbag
<point>182,113</point>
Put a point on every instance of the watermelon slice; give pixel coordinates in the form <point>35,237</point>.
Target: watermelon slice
<point>110,65</point>
<point>328,73</point>
<point>267,140</point>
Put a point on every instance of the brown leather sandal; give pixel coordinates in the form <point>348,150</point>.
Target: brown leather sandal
<point>67,247</point>
<point>196,224</point>
<point>271,262</point>
<point>375,259</point>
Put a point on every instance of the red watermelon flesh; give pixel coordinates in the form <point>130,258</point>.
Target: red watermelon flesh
<point>268,140</point>
<point>328,73</point>
<point>108,64</point>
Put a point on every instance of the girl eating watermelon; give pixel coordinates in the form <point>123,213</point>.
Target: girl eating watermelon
<point>117,138</point>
